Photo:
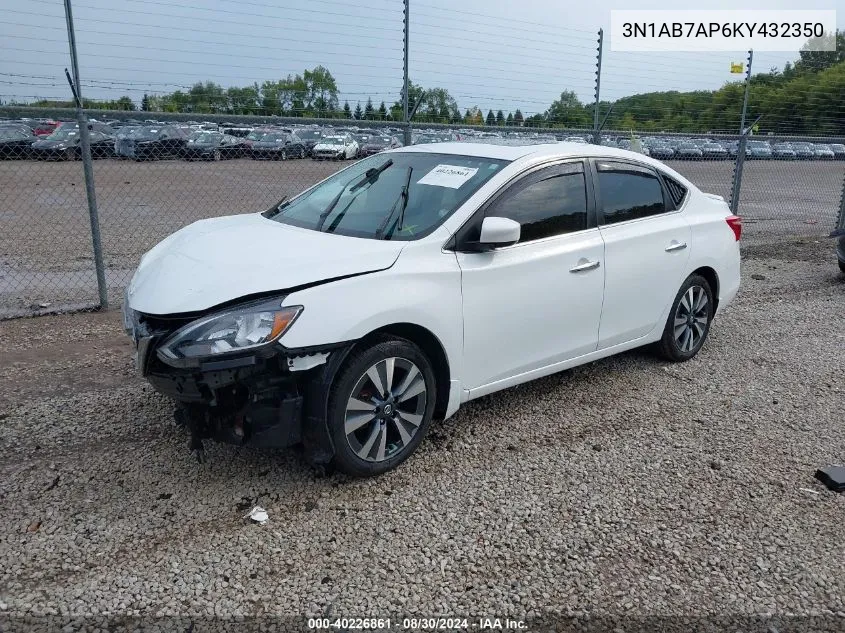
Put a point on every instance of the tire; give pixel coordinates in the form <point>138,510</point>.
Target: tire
<point>842,266</point>
<point>382,438</point>
<point>692,330</point>
<point>217,155</point>
<point>70,154</point>
<point>284,154</point>
<point>301,153</point>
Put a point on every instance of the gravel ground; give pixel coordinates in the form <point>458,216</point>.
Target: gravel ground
<point>45,245</point>
<point>627,487</point>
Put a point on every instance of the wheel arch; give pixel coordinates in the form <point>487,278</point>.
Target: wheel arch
<point>713,279</point>
<point>432,348</point>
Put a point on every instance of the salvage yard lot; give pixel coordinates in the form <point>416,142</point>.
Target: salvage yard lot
<point>45,244</point>
<point>625,486</point>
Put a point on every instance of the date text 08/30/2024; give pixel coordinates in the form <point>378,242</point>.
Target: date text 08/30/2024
<point>418,624</point>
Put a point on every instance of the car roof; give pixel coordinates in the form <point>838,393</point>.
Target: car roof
<point>516,152</point>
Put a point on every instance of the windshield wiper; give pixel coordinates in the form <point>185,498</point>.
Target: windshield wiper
<point>403,199</point>
<point>276,208</point>
<point>370,176</point>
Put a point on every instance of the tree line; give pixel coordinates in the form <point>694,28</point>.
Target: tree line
<point>804,97</point>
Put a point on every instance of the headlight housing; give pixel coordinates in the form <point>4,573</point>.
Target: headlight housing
<point>237,330</point>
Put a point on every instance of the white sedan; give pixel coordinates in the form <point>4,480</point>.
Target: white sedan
<point>336,146</point>
<point>421,278</point>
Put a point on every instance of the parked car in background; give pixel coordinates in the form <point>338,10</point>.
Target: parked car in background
<point>335,146</point>
<point>65,143</point>
<point>44,127</point>
<point>758,149</point>
<point>151,142</point>
<point>804,151</point>
<point>574,139</point>
<point>309,138</point>
<point>278,146</point>
<point>823,152</point>
<point>661,151</point>
<point>16,141</point>
<point>714,151</point>
<point>688,151</point>
<point>213,146</point>
<point>240,131</point>
<point>350,316</point>
<point>783,151</point>
<point>838,150</point>
<point>375,143</point>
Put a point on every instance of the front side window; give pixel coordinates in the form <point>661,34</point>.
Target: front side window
<point>366,199</point>
<point>550,202</point>
<point>628,192</point>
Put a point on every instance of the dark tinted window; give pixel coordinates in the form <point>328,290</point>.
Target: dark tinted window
<point>676,191</point>
<point>628,192</point>
<point>551,202</point>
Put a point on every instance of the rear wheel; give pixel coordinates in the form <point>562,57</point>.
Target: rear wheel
<point>380,406</point>
<point>217,155</point>
<point>301,153</point>
<point>842,266</point>
<point>689,320</point>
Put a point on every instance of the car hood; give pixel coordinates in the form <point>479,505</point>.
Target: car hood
<point>222,259</point>
<point>329,146</point>
<point>51,144</point>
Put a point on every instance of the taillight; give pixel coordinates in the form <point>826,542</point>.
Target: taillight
<point>735,222</point>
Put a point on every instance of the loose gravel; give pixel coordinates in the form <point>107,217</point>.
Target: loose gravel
<point>627,487</point>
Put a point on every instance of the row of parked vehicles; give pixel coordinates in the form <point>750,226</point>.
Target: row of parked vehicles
<point>157,140</point>
<point>151,140</point>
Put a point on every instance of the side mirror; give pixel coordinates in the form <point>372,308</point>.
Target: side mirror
<point>499,232</point>
<point>495,232</point>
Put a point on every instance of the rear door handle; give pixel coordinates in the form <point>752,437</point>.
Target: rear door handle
<point>583,265</point>
<point>676,246</point>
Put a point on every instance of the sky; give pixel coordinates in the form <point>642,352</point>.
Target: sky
<point>494,54</point>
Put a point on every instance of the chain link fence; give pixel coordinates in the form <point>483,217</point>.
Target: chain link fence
<point>153,177</point>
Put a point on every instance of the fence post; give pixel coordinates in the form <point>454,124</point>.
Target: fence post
<point>405,79</point>
<point>87,165</point>
<point>596,129</point>
<point>743,139</point>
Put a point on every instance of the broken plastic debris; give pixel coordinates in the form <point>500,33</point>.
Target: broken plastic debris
<point>257,515</point>
<point>833,477</point>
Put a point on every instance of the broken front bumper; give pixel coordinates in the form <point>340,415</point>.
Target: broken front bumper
<point>271,397</point>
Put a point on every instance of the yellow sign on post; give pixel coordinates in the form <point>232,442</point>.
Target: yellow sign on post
<point>737,68</point>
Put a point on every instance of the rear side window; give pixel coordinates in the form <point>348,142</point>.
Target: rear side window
<point>677,192</point>
<point>628,192</point>
<point>552,201</point>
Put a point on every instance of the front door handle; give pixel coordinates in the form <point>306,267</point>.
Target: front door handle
<point>584,264</point>
<point>676,246</point>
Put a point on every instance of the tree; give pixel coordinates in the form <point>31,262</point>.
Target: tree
<point>145,103</point>
<point>320,90</point>
<point>491,118</point>
<point>474,116</point>
<point>568,111</point>
<point>358,112</point>
<point>369,110</point>
<point>347,111</point>
<point>518,118</point>
<point>509,120</point>
<point>500,118</point>
<point>814,60</point>
<point>382,111</point>
<point>124,103</point>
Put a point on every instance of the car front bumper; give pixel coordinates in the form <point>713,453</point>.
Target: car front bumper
<point>271,397</point>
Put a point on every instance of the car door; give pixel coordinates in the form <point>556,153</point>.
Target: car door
<point>646,249</point>
<point>538,301</point>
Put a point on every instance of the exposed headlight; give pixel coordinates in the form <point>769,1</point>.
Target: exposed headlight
<point>228,332</point>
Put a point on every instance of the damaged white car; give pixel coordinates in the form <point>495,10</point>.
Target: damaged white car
<point>415,280</point>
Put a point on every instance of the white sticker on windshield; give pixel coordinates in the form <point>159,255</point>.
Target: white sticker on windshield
<point>451,176</point>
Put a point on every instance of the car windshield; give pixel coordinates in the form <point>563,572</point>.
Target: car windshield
<point>823,147</point>
<point>380,141</point>
<point>206,137</point>
<point>64,133</point>
<point>309,135</point>
<point>256,135</point>
<point>687,146</point>
<point>334,140</point>
<point>712,146</point>
<point>274,137</point>
<point>758,144</point>
<point>7,133</point>
<point>439,184</point>
<point>148,133</point>
<point>801,146</point>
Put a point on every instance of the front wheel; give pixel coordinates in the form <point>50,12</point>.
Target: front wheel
<point>380,406</point>
<point>689,320</point>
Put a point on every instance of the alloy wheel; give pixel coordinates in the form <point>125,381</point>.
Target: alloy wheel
<point>691,318</point>
<point>385,409</point>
